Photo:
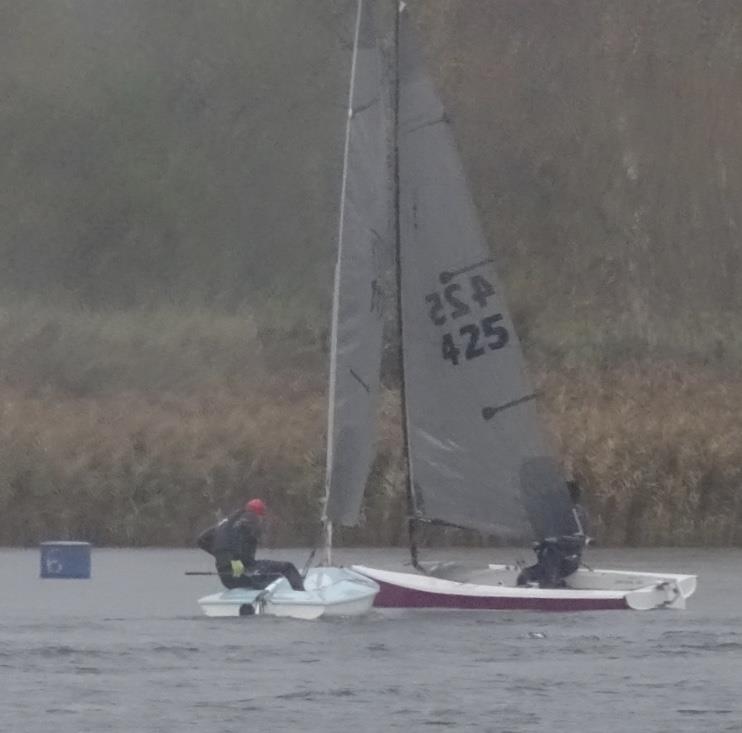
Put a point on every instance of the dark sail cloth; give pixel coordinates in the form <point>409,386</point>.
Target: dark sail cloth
<point>236,538</point>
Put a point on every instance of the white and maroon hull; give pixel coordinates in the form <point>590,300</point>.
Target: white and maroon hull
<point>598,590</point>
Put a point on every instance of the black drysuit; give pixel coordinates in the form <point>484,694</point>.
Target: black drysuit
<point>236,538</point>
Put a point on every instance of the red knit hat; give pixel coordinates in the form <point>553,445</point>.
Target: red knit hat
<point>256,506</point>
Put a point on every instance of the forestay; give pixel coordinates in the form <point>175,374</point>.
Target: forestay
<point>357,306</point>
<point>477,458</point>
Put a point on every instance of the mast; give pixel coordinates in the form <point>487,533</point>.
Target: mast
<point>326,521</point>
<point>411,506</point>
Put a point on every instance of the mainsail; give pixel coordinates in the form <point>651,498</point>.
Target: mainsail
<point>476,455</point>
<point>357,321</point>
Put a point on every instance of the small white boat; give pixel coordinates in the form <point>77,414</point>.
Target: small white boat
<point>328,592</point>
<point>494,588</point>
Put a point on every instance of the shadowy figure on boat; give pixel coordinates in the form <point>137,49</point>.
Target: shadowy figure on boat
<point>559,557</point>
<point>233,543</point>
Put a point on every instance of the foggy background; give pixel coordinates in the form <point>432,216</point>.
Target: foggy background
<point>168,209</point>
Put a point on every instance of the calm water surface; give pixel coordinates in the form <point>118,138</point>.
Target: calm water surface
<point>128,651</point>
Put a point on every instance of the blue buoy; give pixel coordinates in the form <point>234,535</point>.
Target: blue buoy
<point>65,559</point>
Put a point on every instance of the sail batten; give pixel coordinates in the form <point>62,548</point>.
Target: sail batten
<point>476,453</point>
<point>357,318</point>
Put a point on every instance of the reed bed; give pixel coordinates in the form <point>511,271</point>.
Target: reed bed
<point>140,429</point>
<point>658,446</point>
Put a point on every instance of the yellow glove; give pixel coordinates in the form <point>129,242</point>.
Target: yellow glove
<point>237,568</point>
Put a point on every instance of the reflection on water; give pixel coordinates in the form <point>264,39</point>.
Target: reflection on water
<point>128,651</point>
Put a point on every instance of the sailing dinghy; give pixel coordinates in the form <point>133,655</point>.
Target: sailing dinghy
<point>327,592</point>
<point>355,360</point>
<point>476,456</point>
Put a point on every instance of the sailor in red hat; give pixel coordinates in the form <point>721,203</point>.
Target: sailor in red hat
<point>233,543</point>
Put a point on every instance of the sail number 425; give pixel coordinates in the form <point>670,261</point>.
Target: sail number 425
<point>495,337</point>
<point>476,338</point>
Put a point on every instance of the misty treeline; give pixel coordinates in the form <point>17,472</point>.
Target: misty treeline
<point>168,215</point>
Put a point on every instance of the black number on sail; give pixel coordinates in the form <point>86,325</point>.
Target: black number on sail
<point>497,337</point>
<point>450,352</point>
<point>436,309</point>
<point>473,350</point>
<point>481,290</point>
<point>459,308</point>
<point>499,333</point>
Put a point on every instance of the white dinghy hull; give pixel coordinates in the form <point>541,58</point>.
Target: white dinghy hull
<point>493,588</point>
<point>328,592</point>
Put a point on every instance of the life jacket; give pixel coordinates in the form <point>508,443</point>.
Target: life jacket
<point>225,537</point>
<point>235,538</point>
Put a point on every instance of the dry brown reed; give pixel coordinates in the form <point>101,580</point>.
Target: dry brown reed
<point>658,447</point>
<point>138,469</point>
<point>94,445</point>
